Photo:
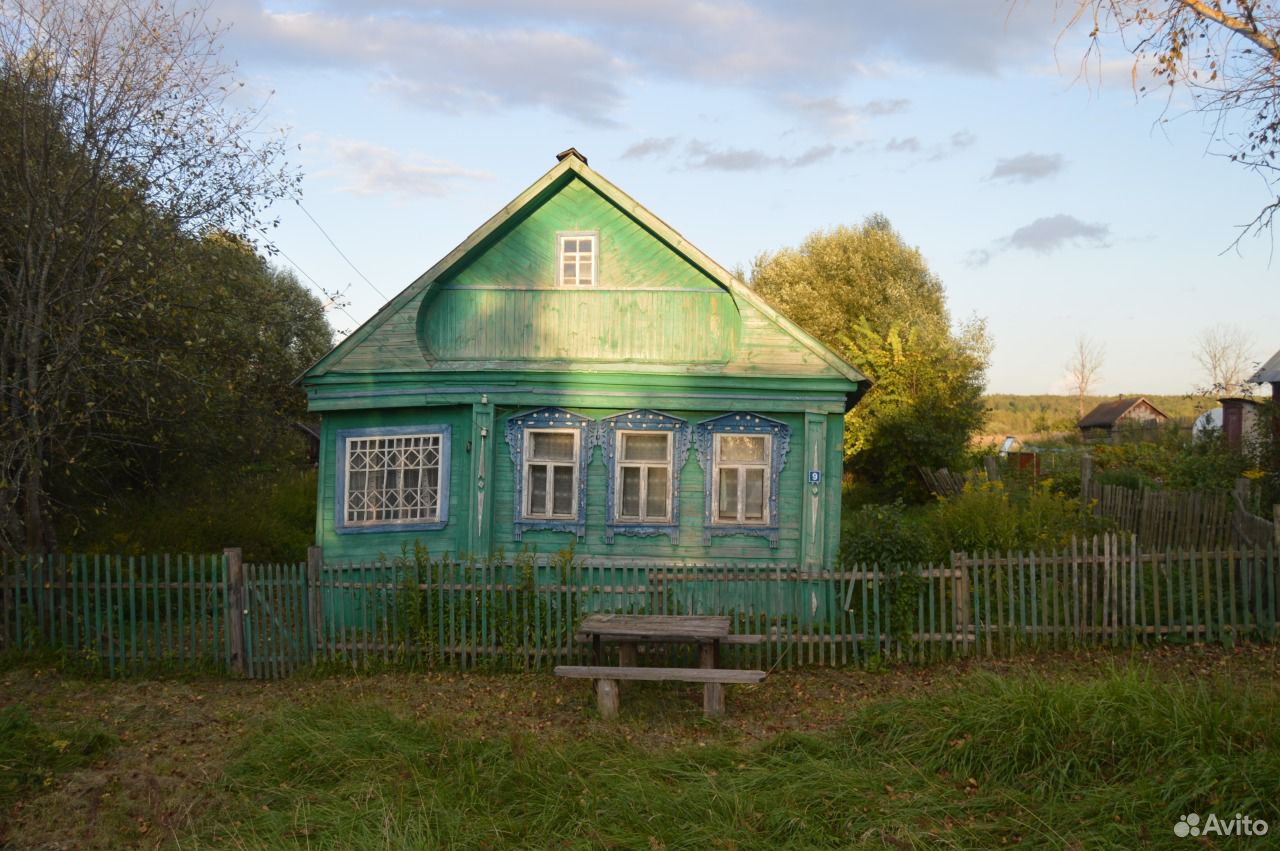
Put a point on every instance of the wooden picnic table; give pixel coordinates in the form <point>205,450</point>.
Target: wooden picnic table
<point>630,631</point>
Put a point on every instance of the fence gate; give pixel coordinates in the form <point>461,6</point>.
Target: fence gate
<point>276,614</point>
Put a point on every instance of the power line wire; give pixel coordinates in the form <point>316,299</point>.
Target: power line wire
<point>341,253</point>
<point>303,272</point>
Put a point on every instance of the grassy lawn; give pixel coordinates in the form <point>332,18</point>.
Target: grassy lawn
<point>1063,750</point>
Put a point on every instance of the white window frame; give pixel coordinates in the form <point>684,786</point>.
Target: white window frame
<point>766,466</point>
<point>529,462</point>
<point>643,466</point>
<point>351,444</point>
<point>577,283</point>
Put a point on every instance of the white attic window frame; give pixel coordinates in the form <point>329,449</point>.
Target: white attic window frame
<point>569,264</point>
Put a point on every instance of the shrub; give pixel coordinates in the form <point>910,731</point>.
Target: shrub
<point>270,515</point>
<point>882,534</point>
<point>991,516</point>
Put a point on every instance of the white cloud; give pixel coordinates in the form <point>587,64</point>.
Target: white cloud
<point>651,147</point>
<point>374,170</point>
<point>1050,233</point>
<point>576,56</point>
<point>700,155</point>
<point>1028,168</point>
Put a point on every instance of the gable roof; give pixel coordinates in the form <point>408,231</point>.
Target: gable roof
<point>1108,413</point>
<point>571,163</point>
<point>1270,371</point>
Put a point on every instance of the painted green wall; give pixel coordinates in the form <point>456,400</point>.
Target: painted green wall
<point>651,309</point>
<point>487,334</point>
<point>793,493</point>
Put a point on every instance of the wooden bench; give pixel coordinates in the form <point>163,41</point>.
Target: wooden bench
<point>607,677</point>
<point>630,631</point>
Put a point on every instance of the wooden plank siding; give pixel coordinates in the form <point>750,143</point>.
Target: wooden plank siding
<point>688,321</point>
<point>793,492</point>
<point>488,333</point>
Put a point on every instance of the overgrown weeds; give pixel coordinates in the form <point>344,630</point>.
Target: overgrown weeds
<point>1106,761</point>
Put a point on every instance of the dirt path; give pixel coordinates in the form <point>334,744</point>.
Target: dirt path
<point>175,736</point>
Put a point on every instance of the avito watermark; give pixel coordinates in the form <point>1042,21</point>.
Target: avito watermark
<point>1212,825</point>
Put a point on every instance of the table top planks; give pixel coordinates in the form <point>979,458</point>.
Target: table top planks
<point>656,627</point>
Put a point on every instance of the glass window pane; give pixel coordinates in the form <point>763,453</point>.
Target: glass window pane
<point>655,502</point>
<point>570,245</point>
<point>537,490</point>
<point>738,448</point>
<point>728,494</point>
<point>584,271</point>
<point>552,446</point>
<point>645,447</point>
<point>570,271</point>
<point>630,497</point>
<point>562,497</point>
<point>586,245</point>
<point>753,499</point>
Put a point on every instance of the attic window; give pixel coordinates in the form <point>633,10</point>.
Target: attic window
<point>576,259</point>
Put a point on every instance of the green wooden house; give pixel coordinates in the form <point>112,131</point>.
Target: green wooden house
<point>577,372</point>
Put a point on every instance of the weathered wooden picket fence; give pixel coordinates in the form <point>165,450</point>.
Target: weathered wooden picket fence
<point>265,621</point>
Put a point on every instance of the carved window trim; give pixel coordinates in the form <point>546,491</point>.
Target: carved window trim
<point>608,434</point>
<point>517,431</point>
<point>779,443</point>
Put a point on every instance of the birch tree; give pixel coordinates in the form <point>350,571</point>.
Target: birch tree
<point>1084,367</point>
<point>120,137</point>
<point>1224,352</point>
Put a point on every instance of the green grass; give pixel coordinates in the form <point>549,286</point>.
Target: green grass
<point>31,755</point>
<point>1102,761</point>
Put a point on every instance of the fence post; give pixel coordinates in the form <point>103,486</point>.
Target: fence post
<point>1086,478</point>
<point>235,608</point>
<point>315,602</point>
<point>1275,523</point>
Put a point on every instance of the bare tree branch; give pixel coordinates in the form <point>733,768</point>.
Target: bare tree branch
<point>1225,353</point>
<point>1084,367</point>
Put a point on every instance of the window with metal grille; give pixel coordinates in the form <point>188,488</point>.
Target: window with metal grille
<point>393,479</point>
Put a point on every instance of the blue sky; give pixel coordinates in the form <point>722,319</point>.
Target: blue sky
<point>1049,204</point>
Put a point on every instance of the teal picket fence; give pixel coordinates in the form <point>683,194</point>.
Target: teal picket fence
<point>118,614</point>
<point>268,620</point>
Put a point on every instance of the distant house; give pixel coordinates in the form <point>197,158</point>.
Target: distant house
<point>1269,374</point>
<point>1108,420</point>
<point>1239,418</point>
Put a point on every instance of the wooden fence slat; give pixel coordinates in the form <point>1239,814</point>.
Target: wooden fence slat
<point>139,613</point>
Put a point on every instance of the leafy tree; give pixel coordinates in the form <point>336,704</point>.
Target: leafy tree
<point>924,405</point>
<point>1224,53</point>
<point>868,295</point>
<point>840,276</point>
<point>118,147</point>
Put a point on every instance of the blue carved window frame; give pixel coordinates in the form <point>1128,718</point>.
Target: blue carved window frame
<point>549,418</point>
<point>742,423</point>
<point>344,436</point>
<point>606,435</point>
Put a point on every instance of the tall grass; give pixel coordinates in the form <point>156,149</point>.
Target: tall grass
<point>1110,761</point>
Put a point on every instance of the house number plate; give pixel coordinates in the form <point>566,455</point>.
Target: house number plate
<point>815,476</point>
